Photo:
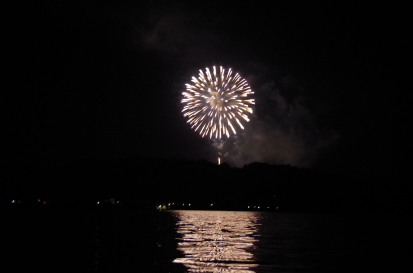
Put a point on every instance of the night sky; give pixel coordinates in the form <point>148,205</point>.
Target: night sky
<point>105,81</point>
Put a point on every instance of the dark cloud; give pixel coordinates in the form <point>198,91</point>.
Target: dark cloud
<point>282,130</point>
<point>164,31</point>
<point>178,32</point>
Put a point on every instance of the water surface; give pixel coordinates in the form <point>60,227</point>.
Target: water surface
<point>130,240</point>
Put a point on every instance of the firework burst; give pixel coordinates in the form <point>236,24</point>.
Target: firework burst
<point>216,102</point>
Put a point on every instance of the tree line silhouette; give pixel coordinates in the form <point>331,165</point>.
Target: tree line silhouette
<point>148,182</point>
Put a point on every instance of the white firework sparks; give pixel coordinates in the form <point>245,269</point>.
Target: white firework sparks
<point>216,102</point>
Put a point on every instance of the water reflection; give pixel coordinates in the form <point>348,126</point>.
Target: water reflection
<point>217,241</point>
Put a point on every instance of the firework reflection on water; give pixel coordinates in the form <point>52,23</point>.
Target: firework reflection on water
<point>217,241</point>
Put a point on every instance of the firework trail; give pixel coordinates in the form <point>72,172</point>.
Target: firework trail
<point>216,102</point>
